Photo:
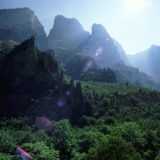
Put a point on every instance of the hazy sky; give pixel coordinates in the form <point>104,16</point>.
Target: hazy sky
<point>133,23</point>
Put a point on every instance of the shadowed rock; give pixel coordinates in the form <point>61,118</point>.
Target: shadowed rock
<point>27,72</point>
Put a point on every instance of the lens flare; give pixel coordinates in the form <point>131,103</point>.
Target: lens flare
<point>44,123</point>
<point>61,102</point>
<point>98,51</point>
<point>22,154</point>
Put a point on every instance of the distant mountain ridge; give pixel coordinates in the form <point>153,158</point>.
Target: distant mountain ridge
<point>148,61</point>
<point>132,75</point>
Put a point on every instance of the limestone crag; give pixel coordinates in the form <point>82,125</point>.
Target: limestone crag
<point>101,47</point>
<point>26,72</point>
<point>20,24</point>
<point>66,33</point>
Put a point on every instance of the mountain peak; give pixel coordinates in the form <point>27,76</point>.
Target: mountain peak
<point>71,24</point>
<point>25,9</point>
<point>63,19</point>
<point>30,43</point>
<point>66,33</point>
<point>99,31</point>
<point>19,24</point>
<point>26,71</point>
<point>154,46</point>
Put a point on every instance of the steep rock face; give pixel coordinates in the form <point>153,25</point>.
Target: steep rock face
<point>121,52</point>
<point>100,46</point>
<point>66,33</point>
<point>26,73</point>
<point>20,24</point>
<point>31,84</point>
<point>148,61</point>
<point>5,48</point>
<point>99,32</point>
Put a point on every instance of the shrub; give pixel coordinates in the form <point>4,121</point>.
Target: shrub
<point>113,148</point>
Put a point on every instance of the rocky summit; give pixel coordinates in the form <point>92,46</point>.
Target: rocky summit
<point>66,33</point>
<point>101,47</point>
<point>26,73</point>
<point>20,24</point>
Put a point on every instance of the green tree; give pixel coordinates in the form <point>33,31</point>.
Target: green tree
<point>40,151</point>
<point>63,139</point>
<point>4,156</point>
<point>8,142</point>
<point>157,157</point>
<point>113,148</point>
<point>131,132</point>
<point>88,139</point>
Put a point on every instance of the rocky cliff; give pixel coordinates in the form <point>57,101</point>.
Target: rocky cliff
<point>26,73</point>
<point>31,84</point>
<point>66,33</point>
<point>101,47</point>
<point>20,24</point>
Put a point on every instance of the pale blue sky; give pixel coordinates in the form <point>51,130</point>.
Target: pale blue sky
<point>135,26</point>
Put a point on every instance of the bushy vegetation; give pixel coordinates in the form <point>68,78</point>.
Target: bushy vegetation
<point>99,75</point>
<point>78,65</point>
<point>119,122</point>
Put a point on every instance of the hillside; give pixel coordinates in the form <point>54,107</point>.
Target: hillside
<point>134,76</point>
<point>116,114</point>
